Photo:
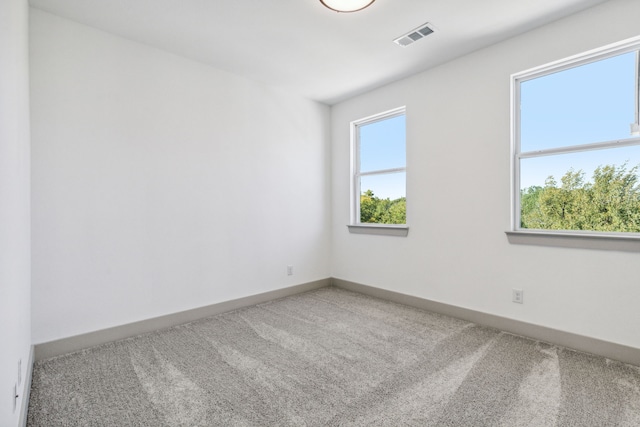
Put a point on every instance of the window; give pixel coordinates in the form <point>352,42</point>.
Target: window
<point>379,171</point>
<point>576,144</point>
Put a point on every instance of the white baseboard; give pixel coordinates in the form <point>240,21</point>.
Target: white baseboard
<point>91,339</point>
<point>582,343</point>
<point>26,390</point>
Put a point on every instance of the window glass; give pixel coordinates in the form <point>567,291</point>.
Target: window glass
<point>383,198</point>
<point>382,144</point>
<point>562,182</point>
<point>590,103</point>
<point>380,169</point>
<point>387,186</point>
<point>595,190</point>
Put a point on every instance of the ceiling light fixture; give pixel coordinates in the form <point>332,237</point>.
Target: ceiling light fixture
<point>346,5</point>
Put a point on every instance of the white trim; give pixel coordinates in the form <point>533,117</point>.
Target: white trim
<point>401,230</point>
<point>592,345</point>
<point>355,161</point>
<point>394,112</point>
<point>383,171</point>
<point>515,148</point>
<point>75,343</point>
<point>575,240</point>
<point>637,90</point>
<point>579,233</point>
<point>581,148</point>
<point>599,347</point>
<point>604,52</point>
<point>26,389</point>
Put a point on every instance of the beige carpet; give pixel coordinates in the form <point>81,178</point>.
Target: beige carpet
<point>328,358</point>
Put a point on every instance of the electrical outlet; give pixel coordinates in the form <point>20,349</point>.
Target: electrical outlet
<point>289,270</point>
<point>518,296</point>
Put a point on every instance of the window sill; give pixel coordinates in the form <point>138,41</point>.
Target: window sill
<point>379,229</point>
<point>576,240</point>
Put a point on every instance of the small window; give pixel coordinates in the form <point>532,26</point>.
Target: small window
<point>379,165</point>
<point>576,144</point>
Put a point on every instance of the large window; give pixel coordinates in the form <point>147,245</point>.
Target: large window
<point>379,169</point>
<point>576,144</point>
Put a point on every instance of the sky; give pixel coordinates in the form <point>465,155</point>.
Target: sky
<point>383,146</point>
<point>574,107</point>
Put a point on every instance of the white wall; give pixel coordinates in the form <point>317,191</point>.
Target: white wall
<point>15,326</point>
<point>458,195</point>
<point>161,184</point>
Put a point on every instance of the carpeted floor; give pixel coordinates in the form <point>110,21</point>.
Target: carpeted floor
<point>328,358</point>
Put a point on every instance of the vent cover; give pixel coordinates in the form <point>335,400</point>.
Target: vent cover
<point>414,35</point>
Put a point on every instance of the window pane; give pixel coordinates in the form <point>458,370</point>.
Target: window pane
<point>593,190</point>
<point>590,103</point>
<point>382,144</point>
<point>383,198</point>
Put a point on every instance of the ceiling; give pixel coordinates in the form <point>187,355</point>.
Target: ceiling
<point>303,46</point>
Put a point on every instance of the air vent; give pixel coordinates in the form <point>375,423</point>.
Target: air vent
<point>414,35</point>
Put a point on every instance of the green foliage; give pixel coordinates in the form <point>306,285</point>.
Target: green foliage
<point>611,202</point>
<point>382,211</point>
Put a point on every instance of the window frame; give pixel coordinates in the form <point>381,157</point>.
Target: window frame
<point>355,226</point>
<point>609,51</point>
